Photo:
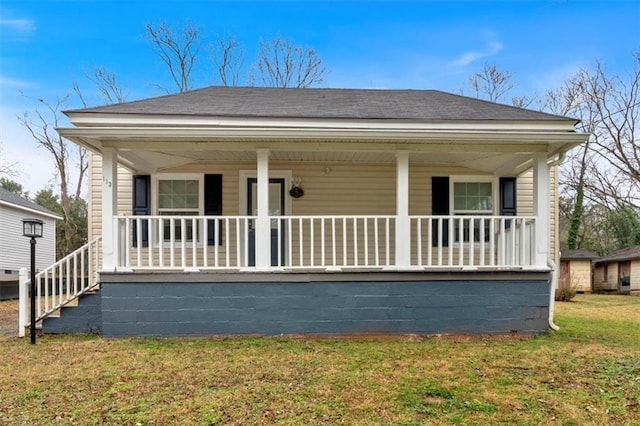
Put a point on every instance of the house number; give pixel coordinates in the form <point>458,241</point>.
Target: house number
<point>106,181</point>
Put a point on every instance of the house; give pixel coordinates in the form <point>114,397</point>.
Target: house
<point>576,269</point>
<point>619,271</point>
<point>322,211</point>
<point>15,250</point>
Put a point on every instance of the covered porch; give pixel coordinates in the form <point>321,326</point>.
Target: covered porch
<point>258,210</point>
<point>422,214</point>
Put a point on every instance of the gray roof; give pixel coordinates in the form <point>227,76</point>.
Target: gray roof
<point>264,102</point>
<point>577,254</point>
<point>15,199</point>
<point>629,253</point>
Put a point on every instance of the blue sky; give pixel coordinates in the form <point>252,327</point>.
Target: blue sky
<point>46,45</point>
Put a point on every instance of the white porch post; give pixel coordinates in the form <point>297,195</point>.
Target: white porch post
<point>403,226</point>
<point>109,207</point>
<point>263,227</point>
<point>541,207</point>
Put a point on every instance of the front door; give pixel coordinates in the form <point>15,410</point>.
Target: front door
<point>276,208</point>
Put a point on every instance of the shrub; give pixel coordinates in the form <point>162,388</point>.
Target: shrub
<point>567,288</point>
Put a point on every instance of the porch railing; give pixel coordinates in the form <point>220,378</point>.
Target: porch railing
<point>325,242</point>
<point>61,283</point>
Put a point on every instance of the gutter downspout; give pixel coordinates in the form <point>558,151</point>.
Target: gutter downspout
<point>552,293</point>
<point>553,266</point>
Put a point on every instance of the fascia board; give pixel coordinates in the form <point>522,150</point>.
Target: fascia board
<point>30,210</point>
<point>138,120</point>
<point>362,134</point>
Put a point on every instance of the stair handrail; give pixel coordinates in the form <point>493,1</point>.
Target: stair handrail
<point>60,283</point>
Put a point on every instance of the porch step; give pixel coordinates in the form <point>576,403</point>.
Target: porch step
<point>86,317</point>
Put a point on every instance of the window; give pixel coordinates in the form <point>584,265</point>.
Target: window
<point>605,272</point>
<point>472,199</point>
<point>179,197</point>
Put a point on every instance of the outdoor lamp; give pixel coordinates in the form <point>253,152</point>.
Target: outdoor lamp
<point>32,228</point>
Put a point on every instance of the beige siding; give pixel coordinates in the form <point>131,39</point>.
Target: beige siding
<point>635,275</point>
<point>344,189</point>
<point>610,282</point>
<point>95,190</point>
<point>580,273</point>
<point>348,189</point>
<point>525,204</point>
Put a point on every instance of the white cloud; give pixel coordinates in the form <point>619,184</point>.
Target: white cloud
<point>554,77</point>
<point>13,82</point>
<point>21,26</point>
<point>492,48</point>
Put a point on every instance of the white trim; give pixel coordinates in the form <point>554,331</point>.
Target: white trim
<point>155,178</point>
<point>109,208</point>
<point>262,224</point>
<point>495,192</point>
<point>82,135</point>
<point>151,120</point>
<point>495,201</point>
<point>30,210</point>
<point>541,207</point>
<point>244,174</point>
<point>403,225</point>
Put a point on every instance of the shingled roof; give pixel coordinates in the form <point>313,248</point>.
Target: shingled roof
<point>628,253</point>
<point>9,197</point>
<point>263,102</point>
<point>578,254</point>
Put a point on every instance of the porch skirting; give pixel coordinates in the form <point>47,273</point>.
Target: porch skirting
<point>174,304</point>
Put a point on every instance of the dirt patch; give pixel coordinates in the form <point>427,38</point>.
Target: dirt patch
<point>8,317</point>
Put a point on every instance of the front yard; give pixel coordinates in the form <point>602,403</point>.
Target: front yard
<point>587,373</point>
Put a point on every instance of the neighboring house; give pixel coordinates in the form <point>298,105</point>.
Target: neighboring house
<point>328,211</point>
<point>15,249</point>
<point>576,269</point>
<point>619,271</point>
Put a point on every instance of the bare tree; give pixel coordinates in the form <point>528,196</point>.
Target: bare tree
<point>107,85</point>
<point>492,84</point>
<point>280,63</point>
<point>41,124</point>
<point>228,56</point>
<point>178,50</point>
<point>7,169</point>
<point>616,104</point>
<point>605,171</point>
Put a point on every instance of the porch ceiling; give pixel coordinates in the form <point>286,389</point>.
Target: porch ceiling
<point>486,162</point>
<point>497,150</point>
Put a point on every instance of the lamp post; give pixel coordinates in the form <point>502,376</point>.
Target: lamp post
<point>32,228</point>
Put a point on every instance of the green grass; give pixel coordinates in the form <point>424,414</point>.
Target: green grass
<point>587,373</point>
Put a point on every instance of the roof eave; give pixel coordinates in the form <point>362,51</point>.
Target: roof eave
<point>31,211</point>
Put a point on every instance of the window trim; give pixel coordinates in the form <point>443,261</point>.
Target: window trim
<point>495,200</point>
<point>155,195</point>
<point>495,196</point>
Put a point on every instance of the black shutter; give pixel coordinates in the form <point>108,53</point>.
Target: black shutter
<point>507,198</point>
<point>440,206</point>
<point>141,206</point>
<point>213,206</point>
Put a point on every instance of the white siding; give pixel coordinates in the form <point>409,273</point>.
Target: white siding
<point>15,249</point>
